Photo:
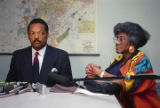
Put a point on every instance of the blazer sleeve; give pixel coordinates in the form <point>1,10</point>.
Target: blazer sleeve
<point>66,67</point>
<point>11,74</point>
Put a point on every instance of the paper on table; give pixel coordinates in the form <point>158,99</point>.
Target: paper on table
<point>86,92</point>
<point>76,90</point>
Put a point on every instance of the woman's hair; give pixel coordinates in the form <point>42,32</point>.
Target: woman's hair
<point>136,34</point>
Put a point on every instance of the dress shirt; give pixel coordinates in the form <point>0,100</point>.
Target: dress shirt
<point>40,56</point>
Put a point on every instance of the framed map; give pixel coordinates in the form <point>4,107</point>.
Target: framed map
<point>72,24</point>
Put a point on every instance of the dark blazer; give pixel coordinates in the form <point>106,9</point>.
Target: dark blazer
<point>21,65</point>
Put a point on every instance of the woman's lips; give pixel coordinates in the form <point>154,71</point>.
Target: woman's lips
<point>117,48</point>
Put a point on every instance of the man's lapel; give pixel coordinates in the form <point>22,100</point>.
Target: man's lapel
<point>28,67</point>
<point>46,64</point>
<point>49,61</point>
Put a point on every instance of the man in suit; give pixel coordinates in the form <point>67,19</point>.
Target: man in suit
<point>28,67</point>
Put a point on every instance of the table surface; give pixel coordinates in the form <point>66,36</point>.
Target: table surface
<point>58,100</point>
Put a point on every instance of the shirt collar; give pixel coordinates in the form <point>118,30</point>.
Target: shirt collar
<point>41,51</point>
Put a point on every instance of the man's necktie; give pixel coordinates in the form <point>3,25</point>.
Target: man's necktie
<point>36,68</point>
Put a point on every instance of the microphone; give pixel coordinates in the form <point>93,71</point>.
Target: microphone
<point>15,89</point>
<point>28,88</point>
<point>11,88</point>
<point>59,79</point>
<point>127,77</point>
<point>5,87</point>
<point>142,76</point>
<point>20,86</point>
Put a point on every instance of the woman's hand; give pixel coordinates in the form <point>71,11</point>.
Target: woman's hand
<point>92,70</point>
<point>88,70</point>
<point>96,70</point>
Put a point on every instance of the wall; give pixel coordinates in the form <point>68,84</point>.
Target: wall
<point>111,12</point>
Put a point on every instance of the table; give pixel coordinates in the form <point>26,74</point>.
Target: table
<point>58,100</point>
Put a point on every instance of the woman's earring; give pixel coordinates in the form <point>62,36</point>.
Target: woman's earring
<point>131,49</point>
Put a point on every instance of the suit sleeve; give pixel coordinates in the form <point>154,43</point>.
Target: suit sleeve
<point>11,74</point>
<point>66,67</point>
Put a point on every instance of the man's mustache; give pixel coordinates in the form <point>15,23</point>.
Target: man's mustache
<point>36,40</point>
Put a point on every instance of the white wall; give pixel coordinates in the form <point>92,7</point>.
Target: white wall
<point>111,12</point>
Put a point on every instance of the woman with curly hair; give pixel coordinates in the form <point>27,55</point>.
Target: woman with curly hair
<point>129,37</point>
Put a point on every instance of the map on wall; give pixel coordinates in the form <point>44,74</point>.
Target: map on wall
<point>72,24</point>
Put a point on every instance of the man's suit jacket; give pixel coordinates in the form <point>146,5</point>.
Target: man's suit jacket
<point>21,65</point>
